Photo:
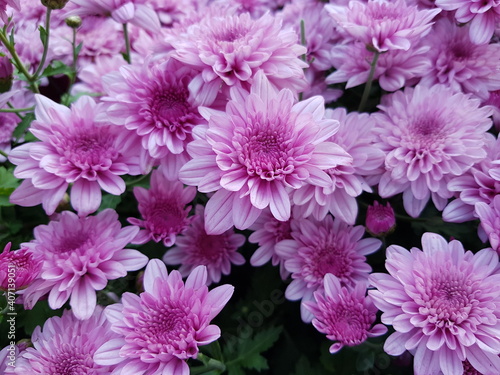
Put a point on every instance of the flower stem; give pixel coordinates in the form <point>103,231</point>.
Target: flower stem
<point>45,45</point>
<point>75,57</point>
<point>210,364</point>
<point>4,154</point>
<point>127,43</point>
<point>16,110</point>
<point>304,43</point>
<point>368,86</point>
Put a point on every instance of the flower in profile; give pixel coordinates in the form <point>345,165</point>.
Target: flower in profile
<point>122,11</point>
<point>18,269</point>
<point>197,248</point>
<point>483,17</point>
<point>79,256</point>
<point>430,135</point>
<point>478,184</point>
<point>65,346</point>
<point>489,215</point>
<point>154,102</point>
<point>442,301</point>
<point>344,315</point>
<point>230,50</point>
<point>163,208</point>
<point>73,149</point>
<point>267,233</point>
<point>380,220</point>
<point>459,63</point>
<point>264,145</point>
<point>318,248</point>
<point>349,179</point>
<point>163,327</point>
<point>383,25</point>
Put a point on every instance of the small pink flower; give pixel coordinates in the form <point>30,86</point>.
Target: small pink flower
<point>162,327</point>
<point>318,248</point>
<point>73,149</point>
<point>197,248</point>
<point>483,16</point>
<point>264,145</point>
<point>442,302</point>
<point>231,49</point>
<point>18,269</point>
<point>79,256</point>
<point>66,345</point>
<point>430,135</point>
<point>383,25</point>
<point>163,208</point>
<point>3,8</point>
<point>344,315</point>
<point>380,220</point>
<point>490,220</point>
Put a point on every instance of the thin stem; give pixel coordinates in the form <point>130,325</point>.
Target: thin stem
<point>17,61</point>
<point>45,44</point>
<point>16,110</point>
<point>210,364</point>
<point>303,38</point>
<point>4,154</point>
<point>368,86</point>
<point>127,43</point>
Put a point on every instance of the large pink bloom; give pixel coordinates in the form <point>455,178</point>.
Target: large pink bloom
<point>357,137</point>
<point>163,327</point>
<point>73,149</point>
<point>231,49</point>
<point>344,315</point>
<point>79,256</point>
<point>163,208</point>
<point>490,220</point>
<point>430,135</point>
<point>318,248</point>
<point>459,63</point>
<point>444,304</point>
<point>197,248</point>
<point>66,345</point>
<point>18,269</point>
<point>252,154</point>
<point>478,184</point>
<point>483,16</point>
<point>383,25</point>
<point>154,102</point>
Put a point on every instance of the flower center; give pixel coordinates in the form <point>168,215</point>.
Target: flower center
<point>168,107</point>
<point>73,242</point>
<point>69,361</point>
<point>163,217</point>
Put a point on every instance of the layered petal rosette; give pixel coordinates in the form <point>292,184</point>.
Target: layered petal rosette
<point>162,327</point>
<point>79,256</point>
<point>444,304</point>
<point>252,155</point>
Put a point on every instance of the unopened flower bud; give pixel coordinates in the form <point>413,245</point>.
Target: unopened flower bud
<point>6,74</point>
<point>54,4</point>
<point>18,269</point>
<point>380,220</point>
<point>74,22</point>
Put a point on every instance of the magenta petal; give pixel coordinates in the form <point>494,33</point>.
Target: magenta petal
<point>208,335</point>
<point>218,212</point>
<point>155,269</point>
<point>197,278</point>
<point>132,260</point>
<point>218,297</point>
<point>27,195</point>
<point>244,213</point>
<point>280,202</point>
<point>111,183</point>
<point>83,300</point>
<point>109,353</point>
<point>85,196</point>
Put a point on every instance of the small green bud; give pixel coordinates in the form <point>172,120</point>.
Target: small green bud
<point>74,22</point>
<point>54,4</point>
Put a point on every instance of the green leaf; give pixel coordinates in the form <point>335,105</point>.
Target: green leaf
<point>43,35</point>
<point>23,125</point>
<point>248,352</point>
<point>67,99</point>
<point>109,201</point>
<point>57,67</point>
<point>78,48</point>
<point>8,183</point>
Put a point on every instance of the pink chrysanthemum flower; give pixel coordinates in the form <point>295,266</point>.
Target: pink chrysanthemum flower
<point>231,49</point>
<point>154,102</point>
<point>380,219</point>
<point>137,12</point>
<point>164,326</point>
<point>459,63</point>
<point>478,184</point>
<point>3,8</point>
<point>494,102</point>
<point>66,345</point>
<point>430,135</point>
<point>22,267</point>
<point>357,137</point>
<point>79,256</point>
<point>344,315</point>
<point>73,149</point>
<point>90,76</point>
<point>490,220</point>
<point>267,233</point>
<point>163,208</point>
<point>443,303</point>
<point>252,154</point>
<point>383,25</point>
<point>394,68</point>
<point>483,16</point>
<point>318,248</point>
<point>197,248</point>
